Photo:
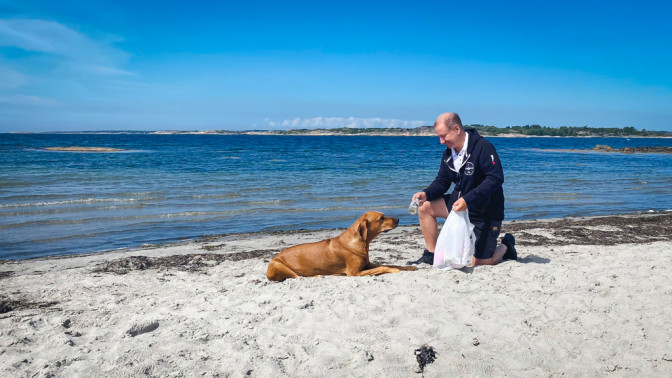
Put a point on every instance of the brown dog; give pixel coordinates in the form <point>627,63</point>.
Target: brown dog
<point>346,254</point>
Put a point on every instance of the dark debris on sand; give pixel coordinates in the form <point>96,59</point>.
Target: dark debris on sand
<point>188,262</point>
<point>8,305</point>
<point>6,274</point>
<point>424,355</point>
<point>607,230</point>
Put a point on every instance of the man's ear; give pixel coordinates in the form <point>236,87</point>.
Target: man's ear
<point>363,229</point>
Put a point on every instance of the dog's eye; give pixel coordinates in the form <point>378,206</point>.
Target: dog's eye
<point>382,218</point>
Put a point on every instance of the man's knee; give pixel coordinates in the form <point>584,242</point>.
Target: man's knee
<point>434,209</point>
<point>425,209</point>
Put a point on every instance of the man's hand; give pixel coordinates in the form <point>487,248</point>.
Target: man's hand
<point>421,196</point>
<point>460,204</point>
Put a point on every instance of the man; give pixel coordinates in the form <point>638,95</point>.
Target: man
<point>472,164</point>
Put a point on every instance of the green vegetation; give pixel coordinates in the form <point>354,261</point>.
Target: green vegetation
<point>572,131</point>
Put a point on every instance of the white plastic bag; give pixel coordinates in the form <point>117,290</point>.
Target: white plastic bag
<point>456,243</point>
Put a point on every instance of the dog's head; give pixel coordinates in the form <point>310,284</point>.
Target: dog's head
<point>373,223</point>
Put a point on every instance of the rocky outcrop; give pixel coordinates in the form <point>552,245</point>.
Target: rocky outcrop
<point>603,147</point>
<point>632,150</point>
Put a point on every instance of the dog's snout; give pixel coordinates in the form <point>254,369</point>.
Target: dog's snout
<point>392,223</point>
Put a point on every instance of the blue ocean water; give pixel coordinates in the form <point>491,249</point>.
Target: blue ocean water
<point>164,188</point>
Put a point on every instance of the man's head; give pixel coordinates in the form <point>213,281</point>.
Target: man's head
<point>448,128</point>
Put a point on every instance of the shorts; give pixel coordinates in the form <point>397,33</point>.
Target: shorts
<point>486,231</point>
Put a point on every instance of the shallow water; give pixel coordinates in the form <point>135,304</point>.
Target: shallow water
<point>164,188</point>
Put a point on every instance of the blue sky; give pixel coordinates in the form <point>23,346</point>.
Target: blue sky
<point>200,65</point>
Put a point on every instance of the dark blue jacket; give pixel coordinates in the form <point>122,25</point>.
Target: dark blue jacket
<point>479,180</point>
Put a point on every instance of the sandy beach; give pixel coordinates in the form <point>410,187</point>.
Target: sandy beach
<point>587,297</point>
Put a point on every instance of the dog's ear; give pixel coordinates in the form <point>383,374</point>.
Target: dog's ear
<point>363,228</point>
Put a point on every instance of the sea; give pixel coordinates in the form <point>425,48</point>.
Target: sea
<point>168,188</point>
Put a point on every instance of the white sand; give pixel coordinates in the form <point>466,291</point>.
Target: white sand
<point>574,310</point>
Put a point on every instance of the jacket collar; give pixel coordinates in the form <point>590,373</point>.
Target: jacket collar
<point>451,165</point>
<point>473,136</point>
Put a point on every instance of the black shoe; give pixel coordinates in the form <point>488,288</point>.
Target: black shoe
<point>510,242</point>
<point>427,258</point>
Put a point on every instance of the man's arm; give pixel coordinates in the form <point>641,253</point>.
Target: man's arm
<point>489,162</point>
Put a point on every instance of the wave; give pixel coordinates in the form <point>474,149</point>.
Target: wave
<point>118,219</point>
<point>544,197</point>
<point>86,150</point>
<point>67,202</point>
<point>73,210</point>
<point>190,215</point>
<point>213,196</point>
<point>268,203</point>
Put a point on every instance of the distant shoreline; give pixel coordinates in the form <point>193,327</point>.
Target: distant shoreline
<point>423,131</point>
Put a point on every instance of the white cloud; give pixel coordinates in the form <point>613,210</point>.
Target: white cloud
<point>101,70</point>
<point>73,48</point>
<point>28,100</point>
<point>59,59</point>
<point>336,122</point>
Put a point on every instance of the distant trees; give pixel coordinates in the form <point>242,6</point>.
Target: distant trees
<point>568,131</point>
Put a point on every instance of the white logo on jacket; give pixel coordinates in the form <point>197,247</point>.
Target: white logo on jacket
<point>469,169</point>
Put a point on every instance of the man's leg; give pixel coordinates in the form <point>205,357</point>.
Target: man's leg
<point>508,245</point>
<point>495,259</point>
<point>427,213</point>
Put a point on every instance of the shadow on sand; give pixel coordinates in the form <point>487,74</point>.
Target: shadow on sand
<point>533,259</point>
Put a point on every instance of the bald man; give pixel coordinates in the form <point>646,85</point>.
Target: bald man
<point>471,163</point>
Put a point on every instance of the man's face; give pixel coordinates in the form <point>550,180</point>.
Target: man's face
<point>448,136</point>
